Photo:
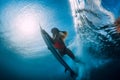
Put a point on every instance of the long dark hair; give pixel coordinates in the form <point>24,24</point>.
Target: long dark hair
<point>55,30</point>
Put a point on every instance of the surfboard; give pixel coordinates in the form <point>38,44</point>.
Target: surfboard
<point>55,52</point>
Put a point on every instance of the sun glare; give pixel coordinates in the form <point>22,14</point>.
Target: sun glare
<point>22,23</point>
<point>26,22</point>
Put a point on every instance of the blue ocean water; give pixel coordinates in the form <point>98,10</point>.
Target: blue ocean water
<point>23,53</point>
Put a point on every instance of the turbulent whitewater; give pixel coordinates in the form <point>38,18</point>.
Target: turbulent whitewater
<point>96,33</point>
<point>94,26</point>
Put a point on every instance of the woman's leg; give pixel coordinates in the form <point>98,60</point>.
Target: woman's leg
<point>69,53</point>
<point>62,53</point>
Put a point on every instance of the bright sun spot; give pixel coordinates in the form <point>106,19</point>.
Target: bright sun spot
<point>22,23</point>
<point>26,22</point>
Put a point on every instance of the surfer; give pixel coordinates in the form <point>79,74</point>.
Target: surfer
<point>50,44</point>
<point>58,41</point>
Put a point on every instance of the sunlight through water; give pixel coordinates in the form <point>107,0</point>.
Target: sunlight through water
<point>22,25</point>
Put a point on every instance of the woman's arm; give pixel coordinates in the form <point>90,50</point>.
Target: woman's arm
<point>63,34</point>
